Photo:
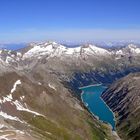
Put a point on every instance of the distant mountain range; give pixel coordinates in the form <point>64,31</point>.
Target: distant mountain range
<point>102,44</point>
<point>13,46</point>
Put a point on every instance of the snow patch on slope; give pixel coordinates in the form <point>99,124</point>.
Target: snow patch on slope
<point>18,104</point>
<point>6,116</point>
<point>18,82</point>
<point>20,107</point>
<point>51,86</point>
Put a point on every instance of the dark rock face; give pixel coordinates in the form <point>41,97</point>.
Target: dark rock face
<point>80,79</point>
<point>123,97</point>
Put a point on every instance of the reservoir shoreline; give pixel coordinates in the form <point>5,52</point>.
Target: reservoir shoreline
<point>87,105</point>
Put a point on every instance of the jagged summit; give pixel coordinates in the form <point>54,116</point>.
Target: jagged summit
<point>133,48</point>
<point>129,50</point>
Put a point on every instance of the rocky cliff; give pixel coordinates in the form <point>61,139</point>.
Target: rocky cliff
<point>123,97</point>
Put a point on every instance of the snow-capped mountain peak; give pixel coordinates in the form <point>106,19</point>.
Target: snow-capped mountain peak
<point>133,48</point>
<point>43,49</point>
<point>55,49</point>
<point>94,49</point>
<point>129,50</point>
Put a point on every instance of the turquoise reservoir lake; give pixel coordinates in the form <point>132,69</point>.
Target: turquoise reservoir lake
<point>91,98</point>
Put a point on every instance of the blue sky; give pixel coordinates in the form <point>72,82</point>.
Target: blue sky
<point>71,20</point>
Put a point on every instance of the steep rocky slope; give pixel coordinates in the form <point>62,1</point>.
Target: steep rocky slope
<point>123,97</point>
<point>32,109</point>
